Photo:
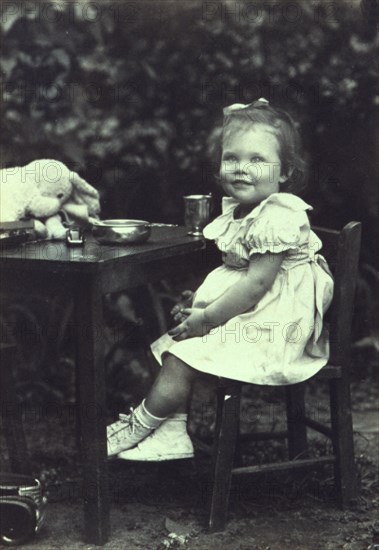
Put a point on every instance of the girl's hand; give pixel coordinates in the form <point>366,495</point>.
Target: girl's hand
<point>186,302</point>
<point>192,325</point>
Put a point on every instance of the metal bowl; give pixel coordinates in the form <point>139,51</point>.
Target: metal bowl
<point>121,231</point>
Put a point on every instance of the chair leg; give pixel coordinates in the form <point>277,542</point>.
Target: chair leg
<point>237,460</point>
<point>297,430</point>
<point>11,417</point>
<point>343,442</point>
<point>227,426</point>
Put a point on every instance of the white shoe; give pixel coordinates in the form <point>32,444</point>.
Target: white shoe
<point>168,442</point>
<point>125,433</point>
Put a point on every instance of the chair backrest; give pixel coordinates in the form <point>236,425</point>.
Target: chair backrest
<point>341,250</point>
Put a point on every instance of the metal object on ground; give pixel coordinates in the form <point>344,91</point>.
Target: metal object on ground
<point>22,508</point>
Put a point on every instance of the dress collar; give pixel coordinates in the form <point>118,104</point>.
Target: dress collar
<point>221,224</point>
<point>287,200</point>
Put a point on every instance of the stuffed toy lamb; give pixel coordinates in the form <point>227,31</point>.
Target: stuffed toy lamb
<point>49,192</point>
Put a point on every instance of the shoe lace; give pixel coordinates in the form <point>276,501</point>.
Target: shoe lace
<point>129,419</point>
<point>119,425</point>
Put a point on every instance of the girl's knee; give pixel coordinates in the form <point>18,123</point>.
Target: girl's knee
<point>169,360</point>
<point>176,366</point>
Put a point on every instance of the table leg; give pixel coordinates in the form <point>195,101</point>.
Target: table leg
<point>92,408</point>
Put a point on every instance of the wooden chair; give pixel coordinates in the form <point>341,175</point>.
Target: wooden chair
<point>341,249</point>
<point>11,417</point>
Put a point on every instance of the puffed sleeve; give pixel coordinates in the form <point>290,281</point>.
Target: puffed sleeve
<point>276,230</point>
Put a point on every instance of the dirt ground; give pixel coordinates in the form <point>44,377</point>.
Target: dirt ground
<point>159,506</point>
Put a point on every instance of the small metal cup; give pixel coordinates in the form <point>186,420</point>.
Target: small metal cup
<point>196,213</point>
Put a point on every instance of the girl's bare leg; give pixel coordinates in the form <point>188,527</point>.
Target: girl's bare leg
<point>171,389</point>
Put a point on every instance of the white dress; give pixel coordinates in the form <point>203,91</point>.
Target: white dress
<point>281,340</point>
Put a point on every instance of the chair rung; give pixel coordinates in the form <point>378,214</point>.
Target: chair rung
<point>262,436</point>
<point>329,371</point>
<point>284,466</point>
<point>321,428</point>
<point>244,438</point>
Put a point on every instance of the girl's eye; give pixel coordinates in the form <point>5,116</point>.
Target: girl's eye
<point>230,158</point>
<point>257,158</point>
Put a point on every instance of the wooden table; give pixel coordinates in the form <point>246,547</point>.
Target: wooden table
<point>87,273</point>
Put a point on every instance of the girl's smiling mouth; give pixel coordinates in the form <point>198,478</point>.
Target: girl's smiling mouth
<point>242,182</point>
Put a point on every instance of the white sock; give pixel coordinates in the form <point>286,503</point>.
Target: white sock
<point>147,419</point>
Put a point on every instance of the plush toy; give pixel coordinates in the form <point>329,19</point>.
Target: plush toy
<point>49,192</point>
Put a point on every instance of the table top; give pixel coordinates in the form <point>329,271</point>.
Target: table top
<point>164,242</point>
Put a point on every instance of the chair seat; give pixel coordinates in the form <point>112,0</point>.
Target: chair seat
<point>329,372</point>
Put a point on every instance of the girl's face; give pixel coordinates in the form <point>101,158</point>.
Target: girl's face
<point>250,164</point>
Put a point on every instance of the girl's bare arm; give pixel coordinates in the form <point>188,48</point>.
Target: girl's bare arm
<point>247,292</point>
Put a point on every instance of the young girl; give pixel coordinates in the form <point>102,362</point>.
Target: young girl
<point>258,317</point>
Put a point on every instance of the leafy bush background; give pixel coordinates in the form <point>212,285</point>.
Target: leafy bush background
<point>128,93</point>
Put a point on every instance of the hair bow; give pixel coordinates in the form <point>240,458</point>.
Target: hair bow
<point>240,106</point>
